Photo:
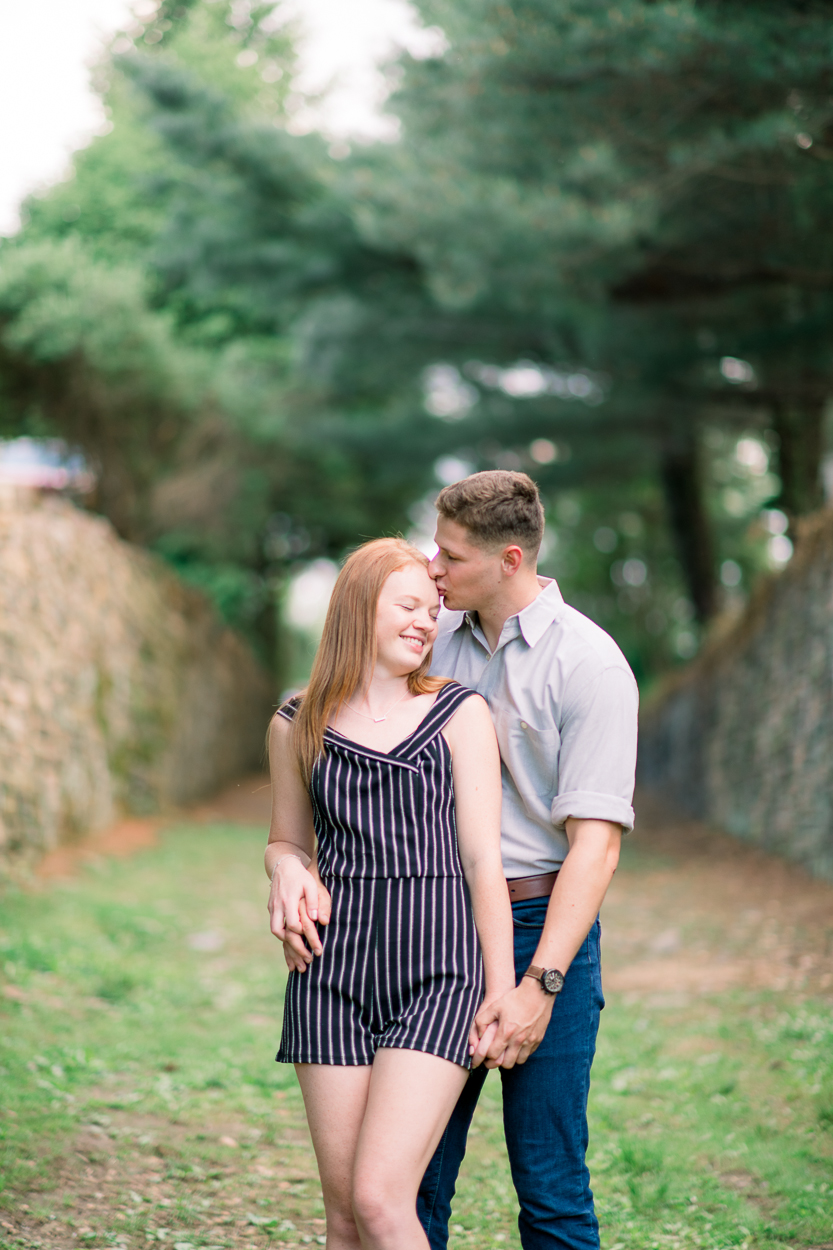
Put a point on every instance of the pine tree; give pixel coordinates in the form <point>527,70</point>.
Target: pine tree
<point>644,187</point>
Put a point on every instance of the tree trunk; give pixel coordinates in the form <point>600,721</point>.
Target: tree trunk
<point>682,484</point>
<point>800,431</point>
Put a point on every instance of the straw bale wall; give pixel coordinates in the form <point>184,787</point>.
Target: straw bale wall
<point>120,688</point>
<point>743,736</point>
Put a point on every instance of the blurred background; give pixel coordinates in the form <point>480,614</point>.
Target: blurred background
<point>308,262</point>
<point>271,274</point>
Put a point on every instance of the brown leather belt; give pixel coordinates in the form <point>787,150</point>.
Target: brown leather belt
<point>522,888</point>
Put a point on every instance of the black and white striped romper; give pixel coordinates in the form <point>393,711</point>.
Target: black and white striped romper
<point>401,965</point>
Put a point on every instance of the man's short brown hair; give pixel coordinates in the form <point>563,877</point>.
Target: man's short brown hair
<point>497,507</point>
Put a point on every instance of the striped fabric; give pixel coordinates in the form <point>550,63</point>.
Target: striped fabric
<point>401,962</point>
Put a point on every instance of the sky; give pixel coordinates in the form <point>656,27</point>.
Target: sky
<point>47,108</point>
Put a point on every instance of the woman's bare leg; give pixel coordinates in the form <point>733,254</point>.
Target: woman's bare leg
<point>335,1099</point>
<point>409,1101</point>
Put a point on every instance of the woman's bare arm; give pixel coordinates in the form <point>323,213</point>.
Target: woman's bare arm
<point>294,895</point>
<point>477,798</point>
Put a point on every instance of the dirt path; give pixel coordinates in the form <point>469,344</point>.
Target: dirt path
<point>693,911</point>
<point>690,910</point>
<point>244,802</point>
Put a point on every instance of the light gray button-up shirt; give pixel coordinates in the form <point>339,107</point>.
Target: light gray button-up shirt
<point>564,703</point>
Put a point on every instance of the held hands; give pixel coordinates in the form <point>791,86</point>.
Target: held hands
<point>481,1037</point>
<point>509,1028</point>
<point>295,952</point>
<point>297,899</point>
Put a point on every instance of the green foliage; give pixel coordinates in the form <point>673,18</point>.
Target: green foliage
<point>83,355</point>
<point>648,139</point>
<point>638,189</point>
<point>58,304</point>
<point>118,195</point>
<point>244,245</point>
<point>623,197</point>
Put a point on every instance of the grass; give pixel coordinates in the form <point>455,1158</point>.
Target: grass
<point>141,1103</point>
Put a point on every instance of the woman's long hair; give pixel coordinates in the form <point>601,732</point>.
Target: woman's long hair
<point>346,655</point>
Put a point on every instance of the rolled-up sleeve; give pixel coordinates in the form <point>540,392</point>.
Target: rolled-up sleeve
<point>597,756</point>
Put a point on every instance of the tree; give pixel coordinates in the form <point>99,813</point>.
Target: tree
<point>154,312</point>
<point>599,253</point>
<point>643,187</point>
<point>81,354</point>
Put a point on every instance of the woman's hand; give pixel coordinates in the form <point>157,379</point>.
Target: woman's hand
<point>483,1030</point>
<point>296,900</point>
<point>292,883</point>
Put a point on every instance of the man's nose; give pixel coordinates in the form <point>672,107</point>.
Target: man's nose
<point>433,566</point>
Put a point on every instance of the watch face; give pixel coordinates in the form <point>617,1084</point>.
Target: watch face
<point>553,981</point>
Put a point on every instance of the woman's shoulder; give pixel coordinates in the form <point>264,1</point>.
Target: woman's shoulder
<point>469,727</point>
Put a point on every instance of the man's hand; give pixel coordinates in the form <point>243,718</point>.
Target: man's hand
<point>513,1027</point>
<point>297,899</point>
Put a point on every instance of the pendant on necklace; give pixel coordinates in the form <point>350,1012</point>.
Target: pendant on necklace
<point>377,720</point>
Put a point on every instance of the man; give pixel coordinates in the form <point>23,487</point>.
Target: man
<point>564,704</point>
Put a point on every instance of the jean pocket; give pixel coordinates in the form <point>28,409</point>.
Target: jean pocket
<point>531,914</point>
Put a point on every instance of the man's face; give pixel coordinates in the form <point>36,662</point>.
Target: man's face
<point>467,576</point>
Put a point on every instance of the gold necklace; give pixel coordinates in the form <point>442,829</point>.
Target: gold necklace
<point>377,720</point>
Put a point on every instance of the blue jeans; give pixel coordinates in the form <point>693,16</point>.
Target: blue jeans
<point>544,1112</point>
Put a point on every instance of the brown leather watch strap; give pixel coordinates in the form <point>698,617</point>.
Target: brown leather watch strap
<point>543,975</point>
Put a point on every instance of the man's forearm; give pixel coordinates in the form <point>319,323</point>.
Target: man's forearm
<point>579,891</point>
<point>523,1014</point>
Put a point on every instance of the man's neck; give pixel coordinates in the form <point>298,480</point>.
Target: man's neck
<point>513,597</point>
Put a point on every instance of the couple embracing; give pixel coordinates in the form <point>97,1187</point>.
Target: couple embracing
<point>449,797</point>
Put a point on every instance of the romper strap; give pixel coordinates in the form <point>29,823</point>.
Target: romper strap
<point>450,697</point>
<point>289,709</point>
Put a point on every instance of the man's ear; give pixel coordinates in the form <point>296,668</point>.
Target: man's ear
<point>511,560</point>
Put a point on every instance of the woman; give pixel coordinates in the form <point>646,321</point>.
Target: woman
<point>387,781</point>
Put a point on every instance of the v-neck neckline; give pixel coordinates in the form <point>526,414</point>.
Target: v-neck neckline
<point>364,747</point>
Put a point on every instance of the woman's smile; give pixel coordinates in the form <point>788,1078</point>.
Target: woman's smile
<point>413,640</point>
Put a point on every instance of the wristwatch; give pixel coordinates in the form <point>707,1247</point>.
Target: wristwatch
<point>550,979</point>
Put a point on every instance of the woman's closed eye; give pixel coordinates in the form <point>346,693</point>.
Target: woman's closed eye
<point>413,607</point>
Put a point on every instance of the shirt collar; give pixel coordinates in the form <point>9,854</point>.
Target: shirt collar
<point>545,608</point>
<point>535,619</point>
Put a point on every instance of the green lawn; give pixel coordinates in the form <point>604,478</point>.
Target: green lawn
<point>141,1103</point>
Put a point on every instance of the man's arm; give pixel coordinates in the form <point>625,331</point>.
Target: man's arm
<point>521,1016</point>
<point>596,763</point>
